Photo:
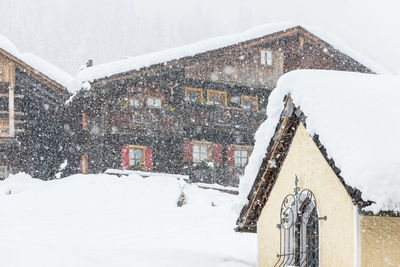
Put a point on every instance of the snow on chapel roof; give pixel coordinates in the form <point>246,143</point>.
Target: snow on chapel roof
<point>356,117</point>
<point>51,71</point>
<point>135,63</point>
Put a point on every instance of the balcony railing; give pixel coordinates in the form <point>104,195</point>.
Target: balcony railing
<point>232,117</point>
<point>171,119</point>
<point>153,119</point>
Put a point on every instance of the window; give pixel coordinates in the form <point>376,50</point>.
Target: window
<point>200,152</point>
<point>299,226</point>
<point>216,97</point>
<point>136,156</point>
<point>238,155</point>
<point>249,102</point>
<point>263,60</point>
<point>153,102</point>
<point>193,95</point>
<point>235,100</point>
<point>266,57</point>
<point>135,101</point>
<point>241,158</point>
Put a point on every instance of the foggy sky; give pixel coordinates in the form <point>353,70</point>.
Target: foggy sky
<point>69,32</point>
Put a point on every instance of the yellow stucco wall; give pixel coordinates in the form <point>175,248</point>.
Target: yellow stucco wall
<point>337,233</point>
<point>380,241</point>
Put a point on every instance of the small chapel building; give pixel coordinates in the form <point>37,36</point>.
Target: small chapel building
<point>322,187</point>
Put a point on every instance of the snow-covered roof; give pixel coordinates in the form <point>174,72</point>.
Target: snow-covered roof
<point>51,71</point>
<point>135,63</point>
<point>356,117</point>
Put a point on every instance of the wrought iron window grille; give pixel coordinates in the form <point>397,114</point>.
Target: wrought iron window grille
<point>299,229</point>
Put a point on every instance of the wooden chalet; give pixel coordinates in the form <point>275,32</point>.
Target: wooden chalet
<point>192,113</point>
<point>31,105</point>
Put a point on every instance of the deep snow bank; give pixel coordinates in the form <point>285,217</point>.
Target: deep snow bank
<point>103,220</point>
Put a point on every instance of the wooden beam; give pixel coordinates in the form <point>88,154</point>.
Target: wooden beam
<point>15,95</point>
<point>265,172</point>
<point>11,90</point>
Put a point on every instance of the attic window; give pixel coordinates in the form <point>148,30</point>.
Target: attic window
<point>266,57</point>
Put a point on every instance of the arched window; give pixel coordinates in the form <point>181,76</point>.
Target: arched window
<point>299,230</point>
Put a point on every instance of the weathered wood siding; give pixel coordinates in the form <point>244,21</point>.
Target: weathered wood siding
<point>239,67</point>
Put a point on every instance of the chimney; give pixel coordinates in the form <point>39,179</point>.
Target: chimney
<point>89,63</point>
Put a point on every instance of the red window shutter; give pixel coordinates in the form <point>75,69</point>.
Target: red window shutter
<point>217,153</point>
<point>148,159</point>
<point>125,157</point>
<point>230,155</point>
<point>187,151</point>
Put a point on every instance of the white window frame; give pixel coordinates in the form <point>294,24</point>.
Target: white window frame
<point>134,160</point>
<point>263,59</point>
<point>269,58</point>
<point>154,102</point>
<point>241,160</point>
<point>266,57</point>
<point>200,152</point>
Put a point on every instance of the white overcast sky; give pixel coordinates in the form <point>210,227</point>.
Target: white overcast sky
<point>68,32</point>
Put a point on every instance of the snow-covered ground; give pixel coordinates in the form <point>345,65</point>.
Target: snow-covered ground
<point>103,220</point>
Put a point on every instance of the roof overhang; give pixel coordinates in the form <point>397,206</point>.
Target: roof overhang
<point>278,148</point>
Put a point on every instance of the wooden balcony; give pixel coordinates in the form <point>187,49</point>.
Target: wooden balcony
<point>231,117</point>
<point>144,121</point>
<point>164,120</point>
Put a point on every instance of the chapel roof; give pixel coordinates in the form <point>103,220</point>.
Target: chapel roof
<point>351,118</point>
